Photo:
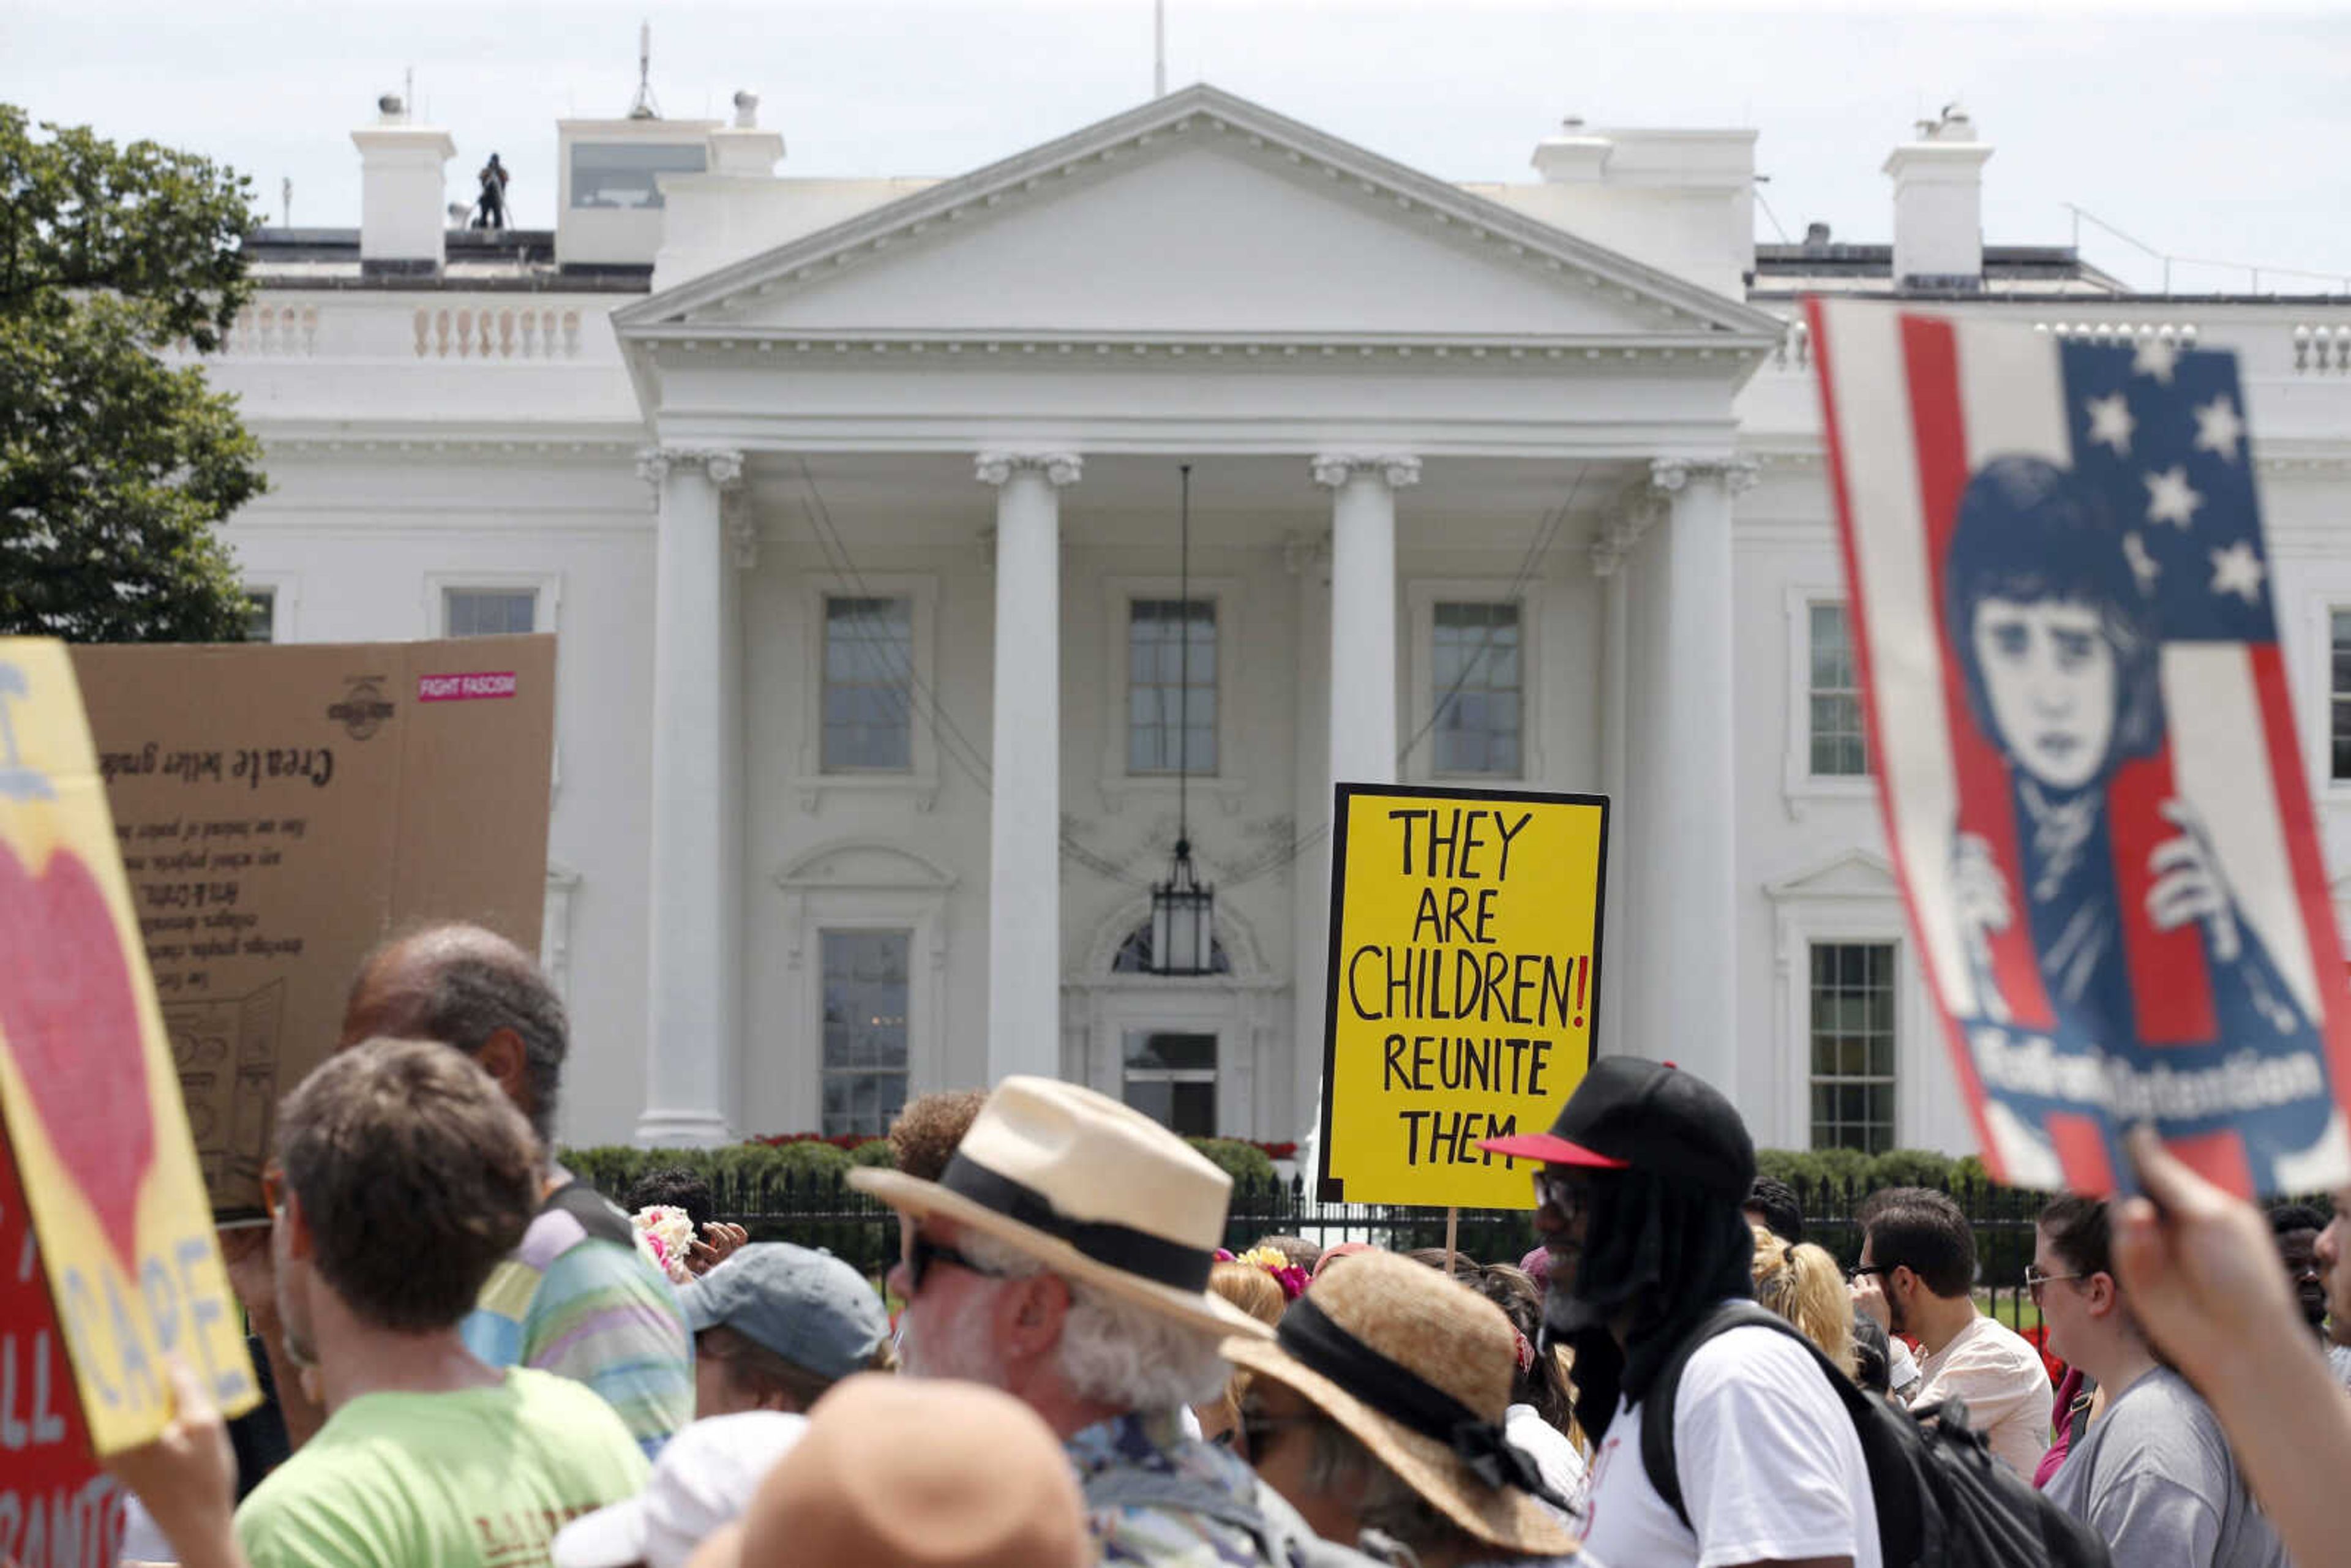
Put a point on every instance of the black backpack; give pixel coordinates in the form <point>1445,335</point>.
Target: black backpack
<point>1942,1499</point>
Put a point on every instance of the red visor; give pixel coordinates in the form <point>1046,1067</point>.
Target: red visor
<point>1550,1149</point>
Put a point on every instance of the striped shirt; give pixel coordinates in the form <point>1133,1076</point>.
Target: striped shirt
<point>579,1299</point>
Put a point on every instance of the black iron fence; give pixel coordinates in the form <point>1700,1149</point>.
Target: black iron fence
<point>817,1208</point>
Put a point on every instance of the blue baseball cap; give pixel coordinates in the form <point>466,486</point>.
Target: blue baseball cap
<point>803,1303</point>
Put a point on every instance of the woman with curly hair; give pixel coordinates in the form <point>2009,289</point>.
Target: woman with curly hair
<point>1803,1285</point>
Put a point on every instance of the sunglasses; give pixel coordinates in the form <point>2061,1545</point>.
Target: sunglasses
<point>1860,1271</point>
<point>923,1254</point>
<point>1567,1196</point>
<point>1256,1427</point>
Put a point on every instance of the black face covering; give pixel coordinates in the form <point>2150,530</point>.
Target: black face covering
<point>1659,1254</point>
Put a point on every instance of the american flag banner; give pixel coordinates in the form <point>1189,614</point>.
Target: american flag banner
<point>2078,714</point>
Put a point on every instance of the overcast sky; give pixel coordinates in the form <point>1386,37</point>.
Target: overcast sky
<point>2202,133</point>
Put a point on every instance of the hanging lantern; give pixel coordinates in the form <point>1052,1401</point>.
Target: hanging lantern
<point>1183,919</point>
<point>1183,912</point>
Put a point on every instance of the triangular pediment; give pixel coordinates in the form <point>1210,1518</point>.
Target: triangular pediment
<point>1856,874</point>
<point>862,865</point>
<point>1200,215</point>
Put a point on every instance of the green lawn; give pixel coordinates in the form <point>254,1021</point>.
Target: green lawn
<point>2016,1311</point>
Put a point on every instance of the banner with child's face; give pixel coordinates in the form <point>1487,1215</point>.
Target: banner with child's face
<point>2079,718</point>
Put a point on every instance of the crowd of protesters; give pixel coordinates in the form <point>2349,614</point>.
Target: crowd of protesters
<point>477,1361</point>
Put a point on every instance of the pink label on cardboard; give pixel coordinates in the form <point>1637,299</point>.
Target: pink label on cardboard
<point>474,687</point>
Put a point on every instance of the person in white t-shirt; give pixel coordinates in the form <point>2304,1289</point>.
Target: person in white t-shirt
<point>1917,1277</point>
<point>1638,1202</point>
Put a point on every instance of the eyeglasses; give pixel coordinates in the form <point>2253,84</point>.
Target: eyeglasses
<point>1860,1271</point>
<point>1570,1196</point>
<point>922,1253</point>
<point>2034,1279</point>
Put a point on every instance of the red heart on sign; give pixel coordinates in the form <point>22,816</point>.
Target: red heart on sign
<point>71,1019</point>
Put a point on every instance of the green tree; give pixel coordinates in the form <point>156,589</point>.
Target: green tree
<point>116,467</point>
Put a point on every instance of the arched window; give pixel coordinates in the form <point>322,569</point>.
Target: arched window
<point>1135,954</point>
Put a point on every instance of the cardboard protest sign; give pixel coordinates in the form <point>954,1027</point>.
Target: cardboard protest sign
<point>56,1506</point>
<point>281,809</point>
<point>2085,749</point>
<point>91,1107</point>
<point>1464,984</point>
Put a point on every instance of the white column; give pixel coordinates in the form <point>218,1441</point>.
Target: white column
<point>1363,611</point>
<point>1617,536</point>
<point>1690,906</point>
<point>1024,879</point>
<point>1306,557</point>
<point>695,951</point>
<point>1362,715</point>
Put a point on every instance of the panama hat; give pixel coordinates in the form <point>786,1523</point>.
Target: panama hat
<point>1096,1191</point>
<point>913,1473</point>
<point>1418,1370</point>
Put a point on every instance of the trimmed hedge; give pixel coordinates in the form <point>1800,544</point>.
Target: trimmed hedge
<point>614,1168</point>
<point>1248,1163</point>
<point>1867,1173</point>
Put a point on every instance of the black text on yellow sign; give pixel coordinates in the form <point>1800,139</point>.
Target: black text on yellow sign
<point>1464,982</point>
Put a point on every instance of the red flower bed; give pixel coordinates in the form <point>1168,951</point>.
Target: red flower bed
<point>2037,1336</point>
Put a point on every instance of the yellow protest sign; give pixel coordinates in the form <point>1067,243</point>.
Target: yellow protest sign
<point>88,1087</point>
<point>1464,981</point>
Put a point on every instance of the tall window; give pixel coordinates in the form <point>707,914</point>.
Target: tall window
<point>2339,691</point>
<point>1853,1046</point>
<point>1172,1079</point>
<point>1158,669</point>
<point>1839,746</point>
<point>488,612</point>
<point>261,615</point>
<point>865,980</point>
<point>1474,667</point>
<point>869,697</point>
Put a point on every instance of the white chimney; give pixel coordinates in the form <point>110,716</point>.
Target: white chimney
<point>1938,204</point>
<point>1682,201</point>
<point>743,148</point>
<point>403,211</point>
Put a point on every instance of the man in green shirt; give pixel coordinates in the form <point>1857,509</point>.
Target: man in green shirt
<point>409,1176</point>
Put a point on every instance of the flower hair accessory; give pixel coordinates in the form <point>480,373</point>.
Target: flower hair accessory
<point>1287,1274</point>
<point>666,1235</point>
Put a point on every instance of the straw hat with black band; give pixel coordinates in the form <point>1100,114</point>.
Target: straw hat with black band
<point>1096,1191</point>
<point>1418,1370</point>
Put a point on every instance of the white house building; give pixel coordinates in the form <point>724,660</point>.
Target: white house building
<point>855,505</point>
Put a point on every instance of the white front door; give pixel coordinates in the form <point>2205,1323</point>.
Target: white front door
<point>1177,1050</point>
<point>1170,1075</point>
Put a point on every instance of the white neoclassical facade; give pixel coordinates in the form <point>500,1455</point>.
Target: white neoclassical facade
<point>855,506</point>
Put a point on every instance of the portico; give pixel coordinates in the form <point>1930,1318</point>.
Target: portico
<point>1522,420</point>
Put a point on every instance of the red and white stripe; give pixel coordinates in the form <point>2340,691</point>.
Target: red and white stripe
<point>1914,405</point>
